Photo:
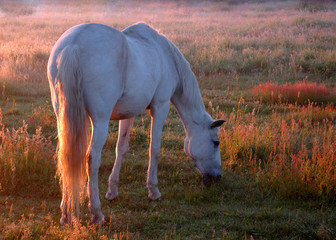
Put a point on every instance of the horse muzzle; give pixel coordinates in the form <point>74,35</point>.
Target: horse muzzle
<point>208,179</point>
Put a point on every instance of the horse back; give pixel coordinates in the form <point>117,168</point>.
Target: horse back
<point>151,74</point>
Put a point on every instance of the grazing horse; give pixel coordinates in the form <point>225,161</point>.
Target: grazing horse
<point>97,74</point>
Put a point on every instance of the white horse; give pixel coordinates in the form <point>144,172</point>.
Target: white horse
<point>97,73</point>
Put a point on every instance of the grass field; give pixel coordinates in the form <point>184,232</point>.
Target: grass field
<point>268,68</point>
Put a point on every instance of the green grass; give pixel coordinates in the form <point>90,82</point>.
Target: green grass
<point>278,156</point>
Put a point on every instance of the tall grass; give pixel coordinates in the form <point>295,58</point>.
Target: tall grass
<point>43,116</point>
<point>295,93</point>
<point>292,154</point>
<point>26,161</point>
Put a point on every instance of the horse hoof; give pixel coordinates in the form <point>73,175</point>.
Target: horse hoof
<point>64,221</point>
<point>154,196</point>
<point>98,220</point>
<point>111,196</point>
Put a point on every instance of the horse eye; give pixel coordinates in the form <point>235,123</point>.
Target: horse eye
<point>216,143</point>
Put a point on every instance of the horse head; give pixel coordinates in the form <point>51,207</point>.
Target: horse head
<point>202,145</point>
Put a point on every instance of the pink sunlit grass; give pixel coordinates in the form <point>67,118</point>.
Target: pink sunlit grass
<point>301,93</point>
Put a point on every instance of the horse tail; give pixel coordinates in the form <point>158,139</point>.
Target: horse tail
<point>72,129</point>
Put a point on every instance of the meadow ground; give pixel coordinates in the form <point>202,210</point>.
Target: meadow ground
<point>268,68</point>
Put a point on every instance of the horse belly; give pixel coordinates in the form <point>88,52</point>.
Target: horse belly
<point>128,108</point>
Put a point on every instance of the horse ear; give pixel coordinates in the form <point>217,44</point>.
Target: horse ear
<point>217,123</point>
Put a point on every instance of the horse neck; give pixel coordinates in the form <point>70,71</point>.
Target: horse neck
<point>189,105</point>
<point>187,97</point>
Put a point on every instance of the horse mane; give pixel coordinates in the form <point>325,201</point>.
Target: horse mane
<point>188,85</point>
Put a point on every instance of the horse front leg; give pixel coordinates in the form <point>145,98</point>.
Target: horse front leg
<point>159,115</point>
<point>100,132</point>
<point>125,127</point>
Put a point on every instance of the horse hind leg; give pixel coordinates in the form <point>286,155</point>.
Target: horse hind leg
<point>100,132</point>
<point>125,127</point>
<point>66,215</point>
